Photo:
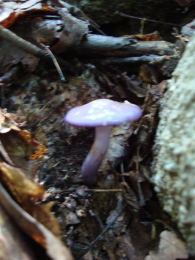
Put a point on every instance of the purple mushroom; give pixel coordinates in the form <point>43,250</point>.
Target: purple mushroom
<point>101,114</point>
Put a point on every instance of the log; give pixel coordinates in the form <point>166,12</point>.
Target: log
<point>121,46</point>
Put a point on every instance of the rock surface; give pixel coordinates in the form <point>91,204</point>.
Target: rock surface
<point>174,164</point>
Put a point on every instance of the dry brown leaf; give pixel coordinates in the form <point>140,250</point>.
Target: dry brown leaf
<point>39,150</point>
<point>148,37</point>
<point>148,74</point>
<point>73,32</point>
<point>28,194</point>
<point>20,145</point>
<point>11,10</point>
<point>23,190</point>
<point>17,146</point>
<point>54,247</point>
<point>170,248</point>
<point>7,121</point>
<point>11,237</point>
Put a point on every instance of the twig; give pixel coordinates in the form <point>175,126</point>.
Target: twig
<point>146,19</point>
<point>102,233</point>
<point>8,35</point>
<point>87,190</point>
<point>104,190</point>
<point>62,78</point>
<point>96,216</point>
<point>151,59</point>
<point>30,48</point>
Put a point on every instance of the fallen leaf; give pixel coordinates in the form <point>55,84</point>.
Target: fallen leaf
<point>73,32</point>
<point>55,249</point>
<point>17,146</point>
<point>7,121</point>
<point>170,248</point>
<point>11,10</point>
<point>11,237</point>
<point>28,194</point>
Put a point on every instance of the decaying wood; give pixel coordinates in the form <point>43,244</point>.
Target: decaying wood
<point>100,45</point>
<point>150,59</point>
<point>120,46</point>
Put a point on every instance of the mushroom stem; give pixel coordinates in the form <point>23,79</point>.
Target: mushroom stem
<point>96,154</point>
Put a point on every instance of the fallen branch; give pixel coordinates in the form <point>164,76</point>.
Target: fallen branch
<point>28,47</point>
<point>98,45</point>
<point>123,47</point>
<point>151,59</point>
<point>11,37</point>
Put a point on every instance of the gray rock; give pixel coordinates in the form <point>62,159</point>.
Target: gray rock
<point>174,164</point>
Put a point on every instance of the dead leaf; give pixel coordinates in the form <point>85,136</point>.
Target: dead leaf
<point>7,121</point>
<point>40,150</point>
<point>54,247</point>
<point>73,32</point>
<point>17,146</point>
<point>27,194</point>
<point>148,74</point>
<point>11,237</point>
<point>148,37</point>
<point>11,10</point>
<point>170,248</point>
<point>24,190</point>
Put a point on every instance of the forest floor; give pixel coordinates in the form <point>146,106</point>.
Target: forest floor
<point>120,217</point>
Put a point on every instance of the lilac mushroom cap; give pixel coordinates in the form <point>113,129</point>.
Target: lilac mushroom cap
<point>101,114</point>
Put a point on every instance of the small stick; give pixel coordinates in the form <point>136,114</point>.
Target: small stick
<point>146,19</point>
<point>88,190</point>
<point>150,59</point>
<point>56,64</point>
<point>104,190</point>
<point>102,233</point>
<point>8,35</point>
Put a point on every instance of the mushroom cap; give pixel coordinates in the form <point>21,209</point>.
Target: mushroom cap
<point>103,112</point>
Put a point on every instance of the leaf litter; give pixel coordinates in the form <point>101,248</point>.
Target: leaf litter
<point>121,217</point>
